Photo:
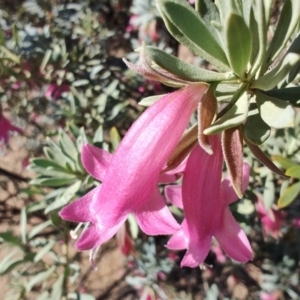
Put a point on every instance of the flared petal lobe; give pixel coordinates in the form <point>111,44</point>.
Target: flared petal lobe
<point>95,160</point>
<point>232,238</point>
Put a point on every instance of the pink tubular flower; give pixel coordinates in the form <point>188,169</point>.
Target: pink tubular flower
<point>5,128</point>
<point>205,201</point>
<point>54,91</point>
<point>129,176</point>
<point>270,219</point>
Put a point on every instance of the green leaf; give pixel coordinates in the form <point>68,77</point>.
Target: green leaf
<point>9,237</point>
<point>255,129</point>
<point>269,191</point>
<point>245,207</point>
<point>272,78</point>
<point>57,289</point>
<point>289,195</point>
<point>208,12</point>
<point>148,101</point>
<point>80,82</point>
<point>275,112</point>
<point>45,60</point>
<point>59,157</point>
<point>67,145</point>
<point>46,163</point>
<point>114,137</point>
<point>2,38</point>
<point>258,30</point>
<point>185,24</point>
<point>184,70</point>
<point>238,43</point>
<point>38,228</point>
<point>292,95</point>
<point>65,197</point>
<point>226,8</point>
<point>23,225</point>
<point>52,182</point>
<point>117,109</point>
<point>293,171</point>
<point>15,35</point>
<point>42,276</point>
<point>233,117</point>
<point>43,251</point>
<point>294,48</point>
<point>283,161</point>
<point>8,263</point>
<point>246,7</point>
<point>288,20</point>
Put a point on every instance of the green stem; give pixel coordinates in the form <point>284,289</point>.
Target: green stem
<point>234,99</point>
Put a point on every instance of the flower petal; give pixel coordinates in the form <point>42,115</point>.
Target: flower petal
<point>232,239</point>
<point>180,239</point>
<point>172,175</point>
<point>174,195</point>
<point>196,253</point>
<point>79,210</point>
<point>95,235</point>
<point>154,217</point>
<point>95,160</point>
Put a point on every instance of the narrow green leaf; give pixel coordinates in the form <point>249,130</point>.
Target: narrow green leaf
<point>65,197</point>
<point>43,251</point>
<point>11,265</point>
<point>276,113</point>
<point>272,78</point>
<point>292,95</point>
<point>293,171</point>
<point>288,20</point>
<point>148,101</point>
<point>57,289</point>
<point>23,225</point>
<point>269,191</point>
<point>184,70</point>
<point>39,278</point>
<point>2,38</point>
<point>15,35</point>
<point>46,163</point>
<point>238,43</point>
<point>226,8</point>
<point>184,24</point>
<point>67,145</point>
<point>52,182</point>
<point>45,60</point>
<point>289,195</point>
<point>258,30</point>
<point>209,13</point>
<point>114,137</point>
<point>246,8</point>
<point>283,161</point>
<point>235,116</point>
<point>9,237</point>
<point>294,48</point>
<point>38,228</point>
